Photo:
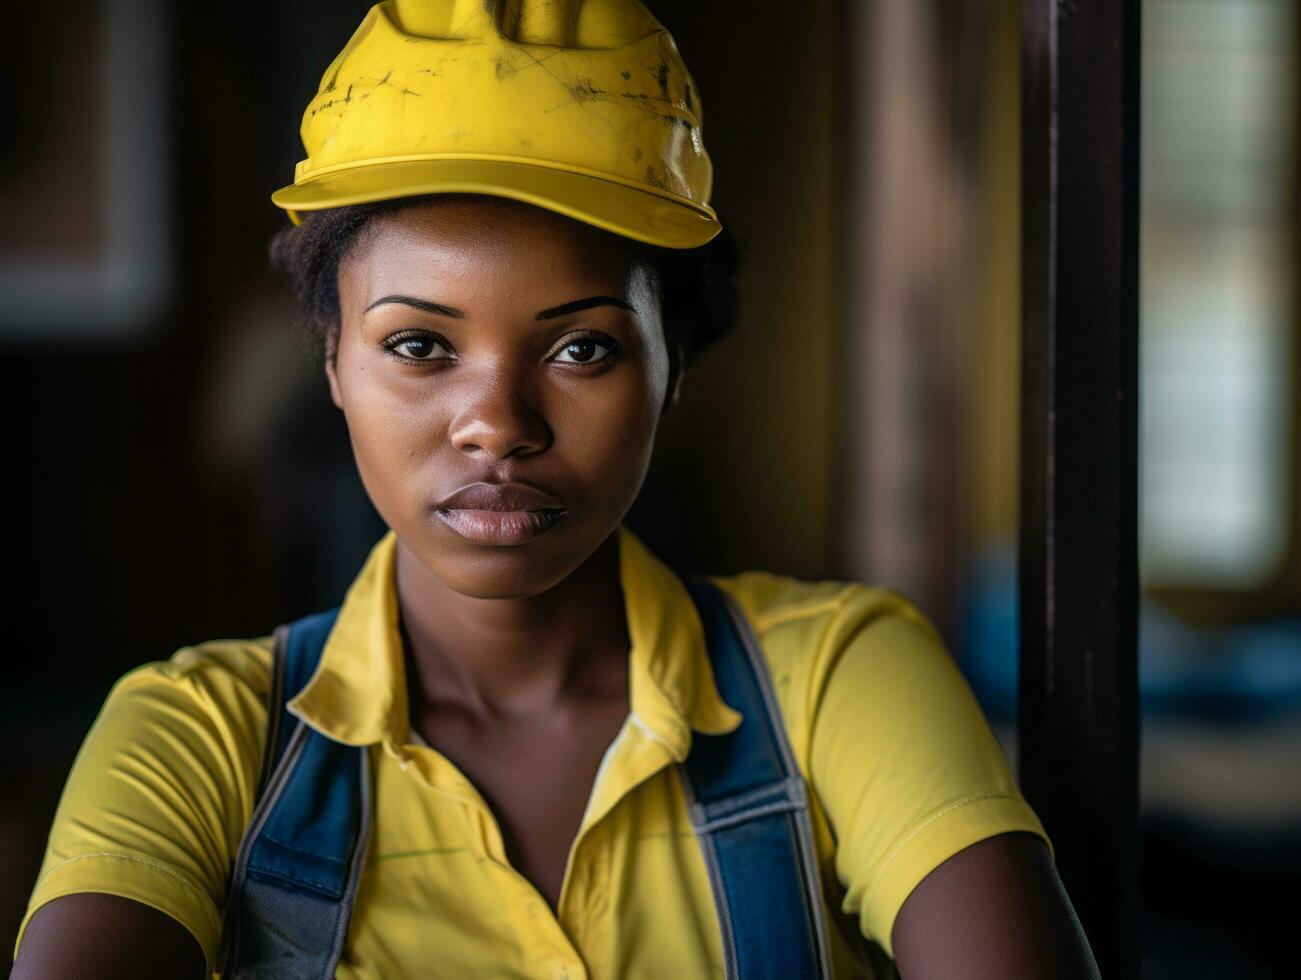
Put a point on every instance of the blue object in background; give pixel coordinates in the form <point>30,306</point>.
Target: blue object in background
<point>1234,674</point>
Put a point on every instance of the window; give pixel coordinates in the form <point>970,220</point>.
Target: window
<point>1218,316</point>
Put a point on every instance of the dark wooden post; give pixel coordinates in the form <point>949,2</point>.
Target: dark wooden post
<point>1078,546</point>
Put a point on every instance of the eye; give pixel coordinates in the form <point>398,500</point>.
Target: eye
<point>586,350</point>
<point>418,345</point>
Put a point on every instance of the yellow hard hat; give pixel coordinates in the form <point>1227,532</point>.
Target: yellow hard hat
<point>583,107</point>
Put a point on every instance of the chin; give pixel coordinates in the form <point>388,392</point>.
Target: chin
<point>505,572</point>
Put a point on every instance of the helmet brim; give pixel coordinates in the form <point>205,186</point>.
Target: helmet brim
<point>654,218</point>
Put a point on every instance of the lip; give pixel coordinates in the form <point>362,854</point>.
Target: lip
<point>500,514</point>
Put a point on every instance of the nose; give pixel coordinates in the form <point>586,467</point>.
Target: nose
<point>499,421</point>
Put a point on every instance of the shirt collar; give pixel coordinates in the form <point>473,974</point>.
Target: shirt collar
<point>358,694</point>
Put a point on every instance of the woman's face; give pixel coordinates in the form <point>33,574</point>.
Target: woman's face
<point>502,370</point>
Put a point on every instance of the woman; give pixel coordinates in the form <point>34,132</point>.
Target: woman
<point>507,254</point>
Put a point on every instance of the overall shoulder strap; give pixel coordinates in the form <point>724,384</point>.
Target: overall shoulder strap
<point>296,653</point>
<point>749,808</point>
<point>300,861</point>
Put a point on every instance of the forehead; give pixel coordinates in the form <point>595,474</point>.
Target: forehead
<point>483,246</point>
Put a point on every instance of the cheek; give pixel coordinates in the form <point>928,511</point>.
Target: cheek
<point>393,423</point>
<point>607,428</point>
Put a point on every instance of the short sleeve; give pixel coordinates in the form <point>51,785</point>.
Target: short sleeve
<point>903,762</point>
<point>160,792</point>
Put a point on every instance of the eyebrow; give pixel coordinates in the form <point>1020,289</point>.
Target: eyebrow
<point>583,304</point>
<point>564,309</point>
<point>420,304</point>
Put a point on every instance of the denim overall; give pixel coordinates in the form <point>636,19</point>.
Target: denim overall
<point>296,875</point>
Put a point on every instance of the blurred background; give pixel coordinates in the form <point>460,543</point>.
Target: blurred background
<point>176,472</point>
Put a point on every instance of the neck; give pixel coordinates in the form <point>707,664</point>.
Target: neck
<point>513,656</point>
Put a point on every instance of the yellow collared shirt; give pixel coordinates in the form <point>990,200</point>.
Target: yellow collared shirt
<point>903,770</point>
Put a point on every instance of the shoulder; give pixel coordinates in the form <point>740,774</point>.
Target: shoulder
<point>163,786</point>
<point>222,682</point>
<point>806,631</point>
<point>214,664</point>
<point>200,715</point>
<point>217,685</point>
<point>777,606</point>
<point>206,702</point>
<point>901,761</point>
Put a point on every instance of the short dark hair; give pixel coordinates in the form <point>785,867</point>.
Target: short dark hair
<point>698,292</point>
